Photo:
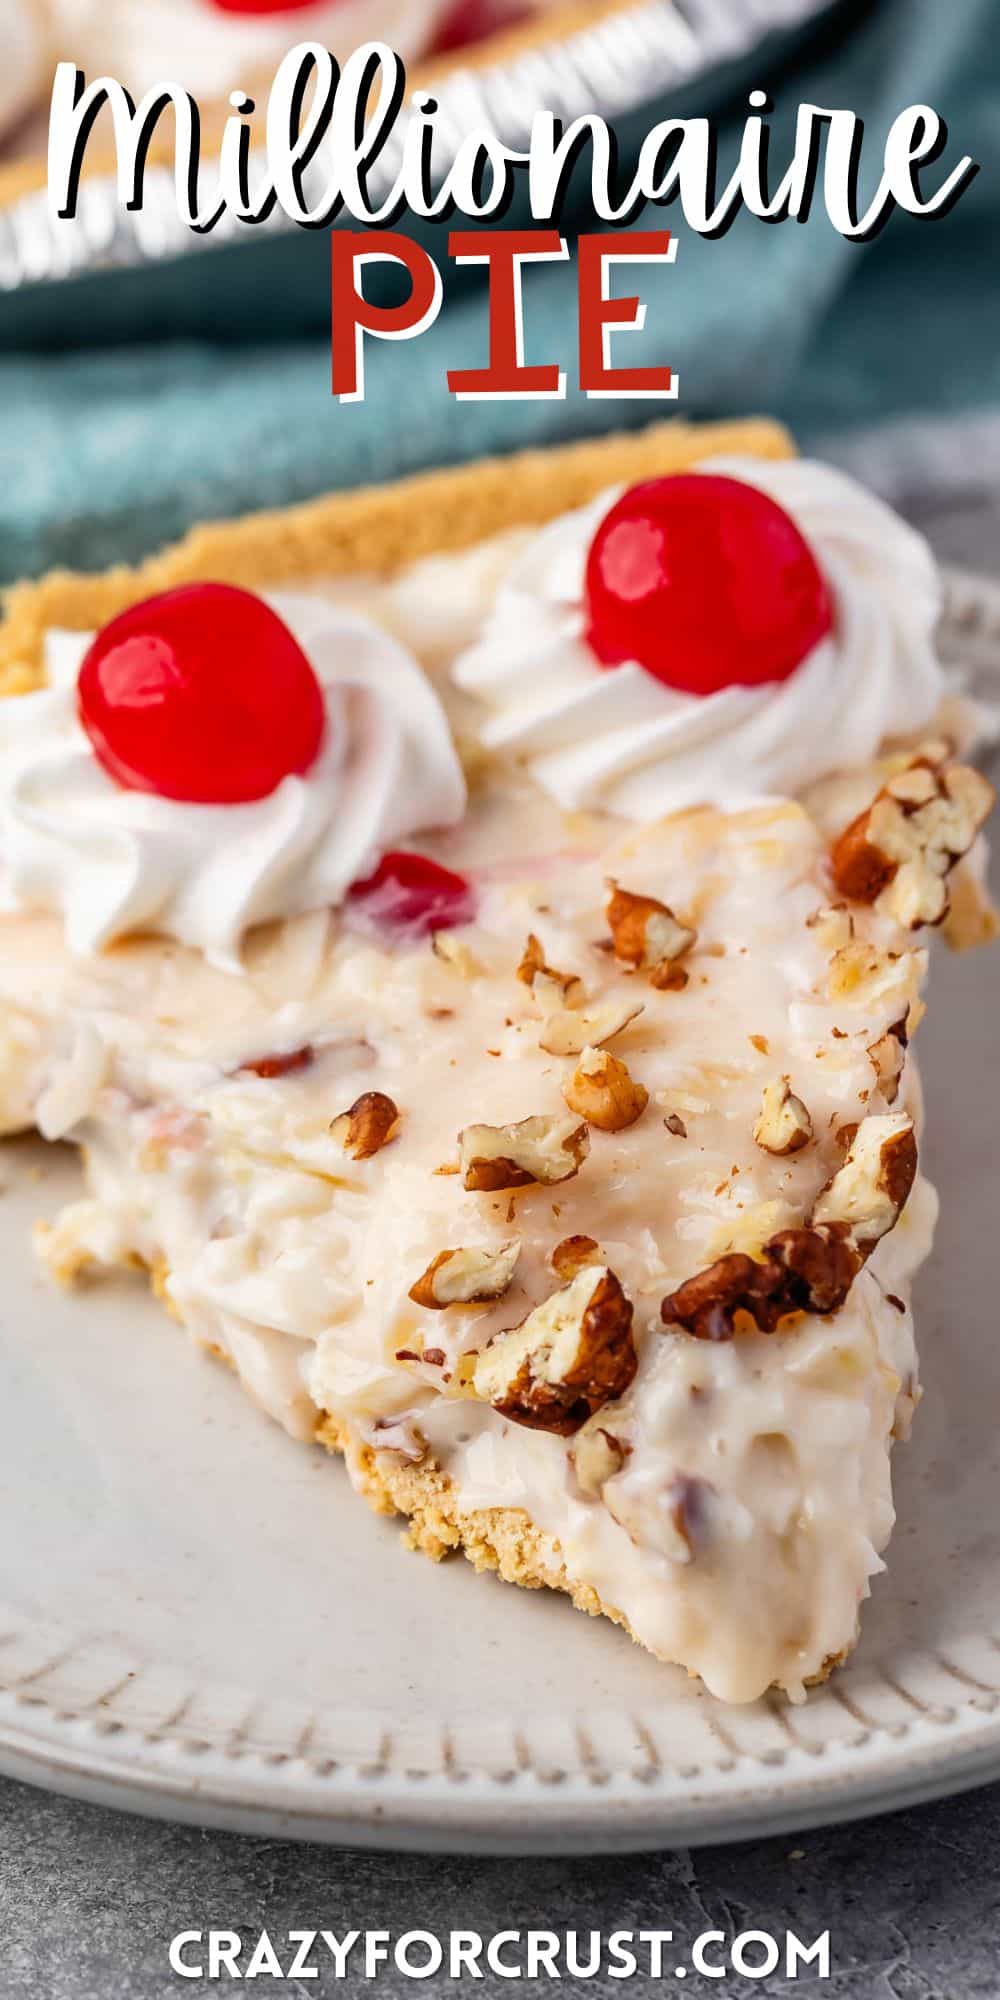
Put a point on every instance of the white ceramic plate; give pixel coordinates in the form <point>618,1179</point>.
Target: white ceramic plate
<point>198,1619</point>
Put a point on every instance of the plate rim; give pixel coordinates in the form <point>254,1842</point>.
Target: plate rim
<point>558,1815</point>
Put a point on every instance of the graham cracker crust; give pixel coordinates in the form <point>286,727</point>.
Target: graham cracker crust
<point>374,530</point>
<point>502,1541</point>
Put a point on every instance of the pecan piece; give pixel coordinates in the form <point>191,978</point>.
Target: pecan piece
<point>888,1059</point>
<point>573,1255</point>
<point>287,1064</point>
<point>570,1357</point>
<point>451,950</point>
<point>900,851</point>
<point>564,989</point>
<point>567,1034</point>
<point>810,1269</point>
<point>799,1270</point>
<point>784,1125</point>
<point>871,1189</point>
<point>370,1124</point>
<point>545,1149</point>
<point>834,927</point>
<point>647,936</point>
<point>602,1090</point>
<point>597,1455</point>
<point>466,1277</point>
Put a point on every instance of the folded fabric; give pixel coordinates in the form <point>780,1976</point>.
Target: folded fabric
<point>105,454</point>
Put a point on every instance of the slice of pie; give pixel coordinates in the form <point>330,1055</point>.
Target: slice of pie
<point>474,932</point>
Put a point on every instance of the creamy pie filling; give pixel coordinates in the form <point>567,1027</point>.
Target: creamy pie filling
<point>750,1495</point>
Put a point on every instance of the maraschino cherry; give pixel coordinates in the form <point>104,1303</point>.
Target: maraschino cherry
<point>201,694</point>
<point>473,20</point>
<point>706,582</point>
<point>411,893</point>
<point>262,6</point>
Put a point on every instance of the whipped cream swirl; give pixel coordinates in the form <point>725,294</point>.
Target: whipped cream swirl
<point>194,43</point>
<point>620,740</point>
<point>114,861</point>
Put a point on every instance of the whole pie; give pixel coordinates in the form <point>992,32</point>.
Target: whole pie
<point>474,932</point>
<point>213,47</point>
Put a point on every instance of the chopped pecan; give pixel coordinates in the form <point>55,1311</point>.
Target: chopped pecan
<point>647,936</point>
<point>872,1187</point>
<point>602,1091</point>
<point>899,852</point>
<point>573,1255</point>
<point>784,1125</point>
<point>888,1059</point>
<point>450,949</point>
<point>833,925</point>
<point>370,1124</point>
<point>597,1455</point>
<point>861,973</point>
<point>287,1064</point>
<point>810,1269</point>
<point>799,1270</point>
<point>466,1277</point>
<point>568,1034</point>
<point>570,1357</point>
<point>845,1135</point>
<point>669,977</point>
<point>546,1149</point>
<point>562,989</point>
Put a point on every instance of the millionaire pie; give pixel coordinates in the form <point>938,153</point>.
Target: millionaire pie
<point>474,932</point>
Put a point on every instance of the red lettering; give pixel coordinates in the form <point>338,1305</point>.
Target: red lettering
<point>507,376</point>
<point>601,315</point>
<point>354,317</point>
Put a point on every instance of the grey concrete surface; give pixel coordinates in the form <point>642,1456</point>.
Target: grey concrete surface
<point>89,1899</point>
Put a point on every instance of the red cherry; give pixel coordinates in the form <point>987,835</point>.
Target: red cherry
<point>706,582</point>
<point>201,694</point>
<point>473,20</point>
<point>262,6</point>
<point>409,893</point>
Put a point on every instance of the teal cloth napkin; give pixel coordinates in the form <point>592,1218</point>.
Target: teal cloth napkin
<point>105,454</point>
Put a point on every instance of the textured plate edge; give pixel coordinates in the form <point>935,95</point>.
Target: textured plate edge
<point>523,1820</point>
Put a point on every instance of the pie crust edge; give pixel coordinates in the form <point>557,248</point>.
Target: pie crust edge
<point>502,1541</point>
<point>372,530</point>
